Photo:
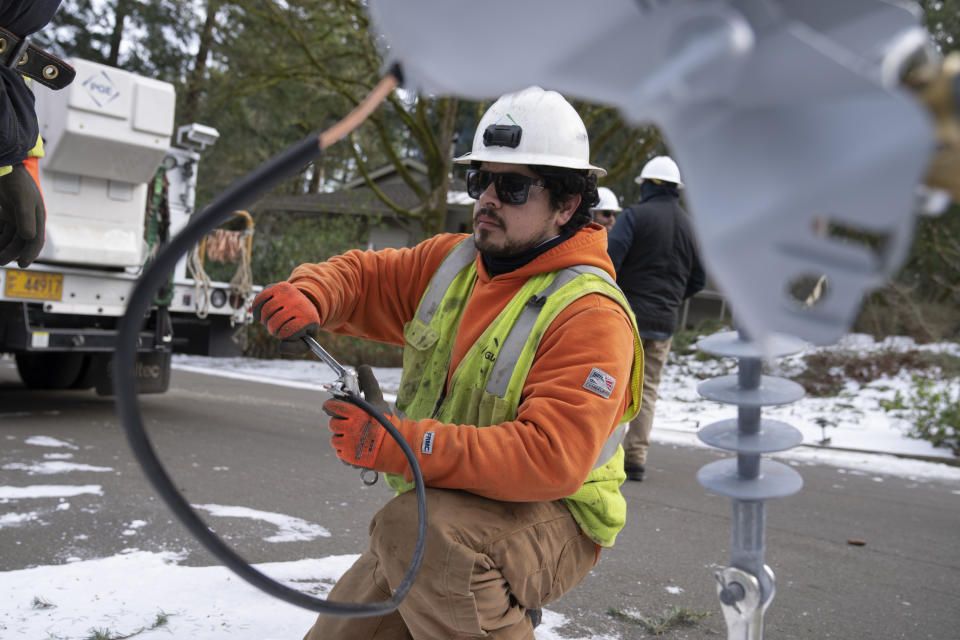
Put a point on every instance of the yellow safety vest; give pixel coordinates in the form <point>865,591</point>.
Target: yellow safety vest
<point>486,386</point>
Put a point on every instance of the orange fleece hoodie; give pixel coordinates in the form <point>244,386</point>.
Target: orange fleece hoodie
<point>548,451</point>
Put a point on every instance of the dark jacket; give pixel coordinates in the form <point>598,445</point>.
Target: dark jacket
<point>654,252</point>
<point>18,122</point>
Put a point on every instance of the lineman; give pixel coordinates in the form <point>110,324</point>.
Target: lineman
<point>512,408</point>
<point>605,212</point>
<point>658,266</point>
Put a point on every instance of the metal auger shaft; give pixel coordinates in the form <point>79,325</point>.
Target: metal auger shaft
<point>747,586</point>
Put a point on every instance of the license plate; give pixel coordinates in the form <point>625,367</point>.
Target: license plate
<point>35,285</point>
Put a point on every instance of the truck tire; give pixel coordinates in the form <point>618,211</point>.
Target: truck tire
<point>50,370</point>
<point>93,368</point>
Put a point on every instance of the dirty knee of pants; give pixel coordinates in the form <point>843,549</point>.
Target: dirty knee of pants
<point>486,561</point>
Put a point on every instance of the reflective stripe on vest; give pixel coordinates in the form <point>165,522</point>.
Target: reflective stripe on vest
<point>455,261</point>
<point>519,334</point>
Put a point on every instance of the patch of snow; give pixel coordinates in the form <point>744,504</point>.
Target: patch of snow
<point>49,491</point>
<point>125,593</point>
<point>849,462</point>
<point>57,456</point>
<point>45,468</point>
<point>47,441</point>
<point>291,529</point>
<point>132,527</point>
<point>15,519</point>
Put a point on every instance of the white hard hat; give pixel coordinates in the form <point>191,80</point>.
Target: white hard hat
<point>660,168</point>
<point>608,201</point>
<point>532,126</point>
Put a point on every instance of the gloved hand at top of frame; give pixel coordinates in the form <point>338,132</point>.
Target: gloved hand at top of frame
<point>287,314</point>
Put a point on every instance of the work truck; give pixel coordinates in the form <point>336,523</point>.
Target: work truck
<point>118,180</point>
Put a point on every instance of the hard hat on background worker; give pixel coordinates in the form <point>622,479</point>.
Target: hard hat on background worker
<point>534,127</point>
<point>608,201</point>
<point>605,212</point>
<point>660,168</point>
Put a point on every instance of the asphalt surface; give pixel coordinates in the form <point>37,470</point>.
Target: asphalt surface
<point>232,442</point>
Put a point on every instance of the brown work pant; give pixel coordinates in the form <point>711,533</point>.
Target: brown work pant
<point>486,563</point>
<point>637,441</point>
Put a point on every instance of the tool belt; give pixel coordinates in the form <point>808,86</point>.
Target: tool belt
<point>18,54</point>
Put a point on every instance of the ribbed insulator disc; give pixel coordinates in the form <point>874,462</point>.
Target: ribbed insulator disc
<point>773,435</point>
<point>729,344</point>
<point>775,480</point>
<point>772,391</point>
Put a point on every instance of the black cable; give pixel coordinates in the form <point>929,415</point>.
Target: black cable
<point>237,196</point>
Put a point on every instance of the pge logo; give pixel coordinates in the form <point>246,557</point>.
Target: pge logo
<point>101,89</point>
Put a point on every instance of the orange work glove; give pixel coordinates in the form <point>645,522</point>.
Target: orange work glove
<point>22,214</point>
<point>357,436</point>
<point>287,314</point>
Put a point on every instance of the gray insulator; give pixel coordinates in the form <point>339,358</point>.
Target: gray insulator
<point>748,479</point>
<point>773,435</point>
<point>775,480</point>
<point>729,343</point>
<point>771,391</point>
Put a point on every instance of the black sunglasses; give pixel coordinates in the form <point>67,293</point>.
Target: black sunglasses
<point>511,188</point>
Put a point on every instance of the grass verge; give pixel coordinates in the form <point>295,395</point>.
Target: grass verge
<point>673,618</point>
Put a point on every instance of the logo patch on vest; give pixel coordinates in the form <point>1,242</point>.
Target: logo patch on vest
<point>426,446</point>
<point>600,382</point>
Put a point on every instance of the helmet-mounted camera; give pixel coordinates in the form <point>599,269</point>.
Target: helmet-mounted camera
<point>502,135</point>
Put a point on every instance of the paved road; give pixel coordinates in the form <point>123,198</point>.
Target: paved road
<point>237,443</point>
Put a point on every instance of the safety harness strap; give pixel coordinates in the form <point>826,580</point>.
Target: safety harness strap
<point>17,53</point>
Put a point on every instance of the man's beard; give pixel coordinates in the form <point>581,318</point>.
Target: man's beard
<point>486,246</point>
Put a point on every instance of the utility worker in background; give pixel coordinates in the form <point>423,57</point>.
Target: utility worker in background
<point>22,212</point>
<point>512,407</point>
<point>655,253</point>
<point>605,213</point>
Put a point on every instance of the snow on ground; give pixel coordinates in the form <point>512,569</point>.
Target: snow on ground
<point>48,491</point>
<point>47,441</point>
<point>56,466</point>
<point>149,593</point>
<point>857,420</point>
<point>73,600</point>
<point>152,596</point>
<point>289,528</point>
